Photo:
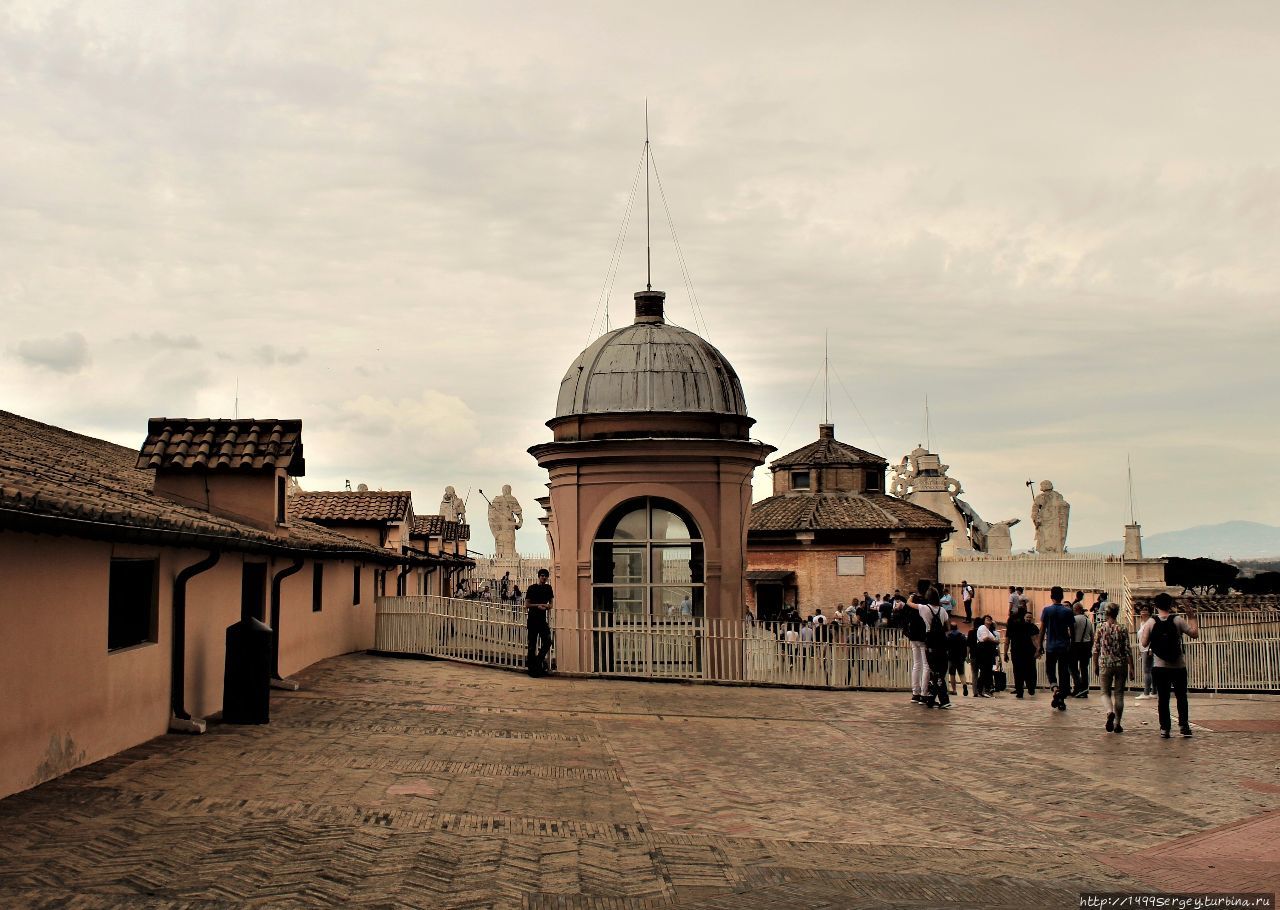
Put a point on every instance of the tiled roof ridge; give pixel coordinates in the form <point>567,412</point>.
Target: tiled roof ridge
<point>354,493</point>
<point>69,482</point>
<point>93,441</point>
<point>840,510</point>
<point>810,454</point>
<point>358,506</point>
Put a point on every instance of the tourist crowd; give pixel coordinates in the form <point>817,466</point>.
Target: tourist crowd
<point>1074,640</point>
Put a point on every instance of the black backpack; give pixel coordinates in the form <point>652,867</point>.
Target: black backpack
<point>915,624</point>
<point>1166,639</point>
<point>936,637</point>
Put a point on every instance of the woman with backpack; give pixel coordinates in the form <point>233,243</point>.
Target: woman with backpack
<point>937,622</point>
<point>1163,633</point>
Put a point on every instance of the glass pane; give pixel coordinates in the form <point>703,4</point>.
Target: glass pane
<point>628,564</point>
<point>673,603</point>
<point>668,525</point>
<point>671,565</point>
<point>630,526</point>
<point>628,604</point>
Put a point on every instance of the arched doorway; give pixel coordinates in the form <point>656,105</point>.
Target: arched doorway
<point>648,589</point>
<point>647,560</point>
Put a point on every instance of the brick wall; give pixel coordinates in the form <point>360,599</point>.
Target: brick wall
<point>816,580</point>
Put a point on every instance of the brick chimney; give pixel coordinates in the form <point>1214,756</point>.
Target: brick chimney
<point>239,469</point>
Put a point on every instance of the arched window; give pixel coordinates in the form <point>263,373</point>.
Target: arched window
<point>647,560</point>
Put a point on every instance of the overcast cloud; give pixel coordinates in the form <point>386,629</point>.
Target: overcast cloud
<point>1058,221</point>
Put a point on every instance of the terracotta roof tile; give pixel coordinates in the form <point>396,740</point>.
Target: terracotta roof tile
<point>841,511</point>
<point>179,443</point>
<point>827,451</point>
<point>353,506</point>
<point>428,525</point>
<point>84,486</point>
<point>436,526</point>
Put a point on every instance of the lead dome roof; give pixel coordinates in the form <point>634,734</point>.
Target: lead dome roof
<point>650,366</point>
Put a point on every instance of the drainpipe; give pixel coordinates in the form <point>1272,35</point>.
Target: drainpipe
<point>276,681</point>
<point>401,583</point>
<point>180,721</point>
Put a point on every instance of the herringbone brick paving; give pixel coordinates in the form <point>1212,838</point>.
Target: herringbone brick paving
<point>396,784</point>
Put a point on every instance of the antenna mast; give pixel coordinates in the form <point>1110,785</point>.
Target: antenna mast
<point>928,440</point>
<point>1133,520</point>
<point>235,408</point>
<point>648,248</point>
<point>826,377</point>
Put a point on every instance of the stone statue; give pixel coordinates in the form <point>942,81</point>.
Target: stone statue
<point>999,542</point>
<point>993,539</point>
<point>921,472</point>
<point>505,518</point>
<point>1049,513</point>
<point>452,507</point>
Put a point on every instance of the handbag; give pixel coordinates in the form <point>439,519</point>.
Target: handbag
<point>999,680</point>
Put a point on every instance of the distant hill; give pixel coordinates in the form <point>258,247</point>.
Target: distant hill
<point>1238,539</point>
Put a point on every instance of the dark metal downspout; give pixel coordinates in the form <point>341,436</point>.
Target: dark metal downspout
<point>275,613</point>
<point>402,583</point>
<point>178,678</point>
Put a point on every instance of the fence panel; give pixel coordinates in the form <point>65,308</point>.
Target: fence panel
<point>1239,651</point>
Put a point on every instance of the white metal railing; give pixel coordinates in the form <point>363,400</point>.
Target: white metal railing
<point>476,631</point>
<point>1240,655</point>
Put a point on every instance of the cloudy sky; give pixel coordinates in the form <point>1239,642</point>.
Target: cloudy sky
<point>1059,221</point>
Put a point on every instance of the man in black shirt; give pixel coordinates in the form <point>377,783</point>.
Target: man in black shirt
<point>1020,644</point>
<point>538,599</point>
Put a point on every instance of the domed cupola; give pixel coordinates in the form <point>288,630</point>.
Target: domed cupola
<point>650,378</point>
<point>650,471</point>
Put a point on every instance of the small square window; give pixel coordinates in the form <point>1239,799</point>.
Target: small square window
<point>874,481</point>
<point>799,480</point>
<point>851,565</point>
<point>131,603</point>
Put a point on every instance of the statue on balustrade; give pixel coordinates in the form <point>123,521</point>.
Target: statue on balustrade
<point>452,507</point>
<point>1050,512</point>
<point>505,518</point>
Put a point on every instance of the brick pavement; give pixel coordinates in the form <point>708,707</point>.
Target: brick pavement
<point>396,783</point>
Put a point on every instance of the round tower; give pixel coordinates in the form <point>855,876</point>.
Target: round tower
<point>650,468</point>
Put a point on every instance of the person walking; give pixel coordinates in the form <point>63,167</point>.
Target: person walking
<point>1057,626</point>
<point>1148,683</point>
<point>1163,633</point>
<point>1081,650</point>
<point>966,594</point>
<point>538,600</point>
<point>1020,650</point>
<point>1112,664</point>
